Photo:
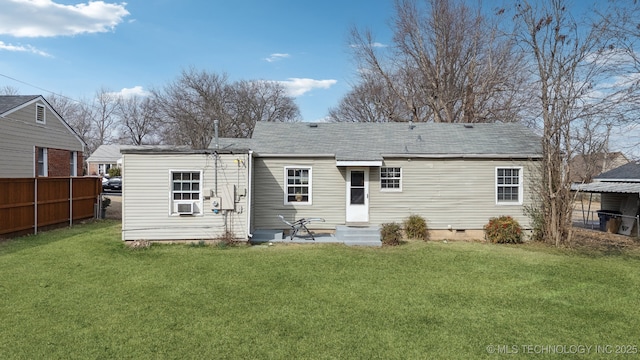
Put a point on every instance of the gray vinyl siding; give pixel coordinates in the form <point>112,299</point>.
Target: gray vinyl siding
<point>20,134</point>
<point>146,197</point>
<point>460,193</point>
<point>614,201</point>
<point>328,193</point>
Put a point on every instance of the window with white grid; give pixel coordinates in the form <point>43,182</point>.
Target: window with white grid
<point>298,188</point>
<point>390,179</point>
<point>509,186</point>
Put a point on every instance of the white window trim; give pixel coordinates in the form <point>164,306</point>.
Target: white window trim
<point>74,163</point>
<point>520,186</point>
<point>44,114</point>
<point>391,189</point>
<point>199,203</point>
<point>286,185</point>
<point>45,162</point>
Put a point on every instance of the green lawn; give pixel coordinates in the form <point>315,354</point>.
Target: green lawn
<point>80,293</point>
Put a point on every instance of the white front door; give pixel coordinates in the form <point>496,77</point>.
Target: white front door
<point>357,195</point>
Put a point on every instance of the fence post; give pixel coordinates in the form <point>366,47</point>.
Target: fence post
<point>35,205</point>
<point>70,201</point>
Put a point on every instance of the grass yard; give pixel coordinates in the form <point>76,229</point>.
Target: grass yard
<point>80,293</point>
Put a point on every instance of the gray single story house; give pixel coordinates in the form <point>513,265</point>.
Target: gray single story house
<point>35,140</point>
<point>352,175</point>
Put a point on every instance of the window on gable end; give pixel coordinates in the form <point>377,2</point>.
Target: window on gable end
<point>41,114</point>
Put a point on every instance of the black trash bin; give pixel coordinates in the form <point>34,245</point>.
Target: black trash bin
<point>605,216</point>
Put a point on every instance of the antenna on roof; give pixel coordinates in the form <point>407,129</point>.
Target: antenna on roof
<point>411,126</point>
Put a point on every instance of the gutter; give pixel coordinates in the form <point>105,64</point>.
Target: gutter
<point>249,193</point>
<point>465,156</point>
<point>296,155</point>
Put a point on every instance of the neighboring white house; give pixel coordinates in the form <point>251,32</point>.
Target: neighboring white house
<point>353,175</point>
<point>104,158</point>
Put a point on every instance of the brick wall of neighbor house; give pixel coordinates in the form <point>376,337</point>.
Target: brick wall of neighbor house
<point>93,168</point>
<point>80,164</point>
<point>58,162</point>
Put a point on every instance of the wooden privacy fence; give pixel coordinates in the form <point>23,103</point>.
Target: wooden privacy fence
<point>31,204</point>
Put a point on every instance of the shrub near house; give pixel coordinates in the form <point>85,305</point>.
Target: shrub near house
<point>503,229</point>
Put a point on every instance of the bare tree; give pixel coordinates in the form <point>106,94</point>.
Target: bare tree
<point>190,104</point>
<point>66,107</point>
<point>252,101</point>
<point>370,101</point>
<point>104,116</point>
<point>138,120</point>
<point>448,63</point>
<point>9,90</point>
<point>573,67</point>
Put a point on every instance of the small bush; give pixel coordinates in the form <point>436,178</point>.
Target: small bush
<point>415,227</point>
<point>106,202</point>
<point>503,230</point>
<point>391,233</point>
<point>115,171</point>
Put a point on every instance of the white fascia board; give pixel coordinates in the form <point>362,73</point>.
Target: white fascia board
<point>377,163</point>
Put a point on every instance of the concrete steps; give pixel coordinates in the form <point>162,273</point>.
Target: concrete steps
<point>358,236</point>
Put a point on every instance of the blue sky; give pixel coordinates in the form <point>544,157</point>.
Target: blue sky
<point>75,48</point>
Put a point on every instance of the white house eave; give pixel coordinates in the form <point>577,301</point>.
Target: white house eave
<point>292,155</point>
<point>377,163</point>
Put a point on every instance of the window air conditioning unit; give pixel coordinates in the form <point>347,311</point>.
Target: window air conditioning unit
<point>185,208</point>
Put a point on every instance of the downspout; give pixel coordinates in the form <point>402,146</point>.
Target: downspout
<point>215,157</point>
<point>249,196</point>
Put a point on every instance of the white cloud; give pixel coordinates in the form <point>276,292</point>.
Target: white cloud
<point>44,18</point>
<point>23,48</point>
<point>277,57</point>
<point>298,86</point>
<point>131,92</point>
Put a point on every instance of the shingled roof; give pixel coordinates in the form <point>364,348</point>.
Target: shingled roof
<point>627,172</point>
<point>10,102</point>
<point>374,141</point>
<point>106,154</point>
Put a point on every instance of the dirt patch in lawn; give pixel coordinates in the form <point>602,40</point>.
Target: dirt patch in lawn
<point>603,241</point>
